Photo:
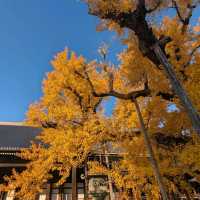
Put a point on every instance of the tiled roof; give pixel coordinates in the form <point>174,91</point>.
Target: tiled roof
<point>14,136</point>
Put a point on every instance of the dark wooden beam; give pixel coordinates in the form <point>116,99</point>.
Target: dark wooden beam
<point>12,165</point>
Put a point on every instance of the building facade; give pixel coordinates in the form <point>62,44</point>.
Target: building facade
<point>78,186</point>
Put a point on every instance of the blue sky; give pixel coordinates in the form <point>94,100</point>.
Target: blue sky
<point>32,31</point>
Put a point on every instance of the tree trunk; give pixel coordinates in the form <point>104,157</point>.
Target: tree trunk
<point>179,90</point>
<point>151,48</point>
<point>150,152</point>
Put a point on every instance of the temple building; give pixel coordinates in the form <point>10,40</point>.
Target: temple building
<point>14,136</point>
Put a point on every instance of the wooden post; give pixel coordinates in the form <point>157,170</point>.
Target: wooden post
<point>111,193</point>
<point>86,181</point>
<point>131,196</point>
<point>74,184</point>
<point>60,193</point>
<point>2,194</point>
<point>36,196</point>
<point>150,152</point>
<point>48,191</point>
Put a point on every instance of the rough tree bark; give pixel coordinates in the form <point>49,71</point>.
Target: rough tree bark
<point>177,87</point>
<point>152,48</point>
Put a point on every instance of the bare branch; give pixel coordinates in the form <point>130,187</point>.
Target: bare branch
<point>149,119</point>
<point>145,92</point>
<point>174,3</point>
<point>77,95</point>
<point>97,104</point>
<point>185,21</point>
<point>194,50</point>
<point>191,55</point>
<point>135,21</point>
<point>155,7</point>
<point>127,96</point>
<point>74,122</point>
<point>49,124</point>
<point>79,74</point>
<point>110,77</point>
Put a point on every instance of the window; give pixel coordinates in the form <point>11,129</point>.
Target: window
<point>42,197</point>
<point>80,196</point>
<point>9,195</point>
<point>55,194</point>
<point>67,197</point>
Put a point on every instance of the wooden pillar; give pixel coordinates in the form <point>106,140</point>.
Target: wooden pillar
<point>48,191</point>
<point>74,184</point>
<point>86,187</point>
<point>2,194</point>
<point>130,194</point>
<point>60,193</point>
<point>111,192</point>
<point>36,197</point>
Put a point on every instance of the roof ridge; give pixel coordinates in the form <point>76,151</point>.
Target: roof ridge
<point>12,123</point>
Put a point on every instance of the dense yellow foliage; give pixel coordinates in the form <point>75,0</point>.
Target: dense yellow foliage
<point>72,123</point>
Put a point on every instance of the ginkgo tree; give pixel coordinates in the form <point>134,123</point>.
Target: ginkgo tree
<point>69,126</point>
<point>133,15</point>
<point>162,46</point>
<point>72,124</point>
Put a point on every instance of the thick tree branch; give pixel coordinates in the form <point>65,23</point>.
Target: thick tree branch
<point>136,22</point>
<point>145,93</point>
<point>151,48</point>
<point>166,95</point>
<point>171,141</point>
<point>164,40</point>
<point>51,124</point>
